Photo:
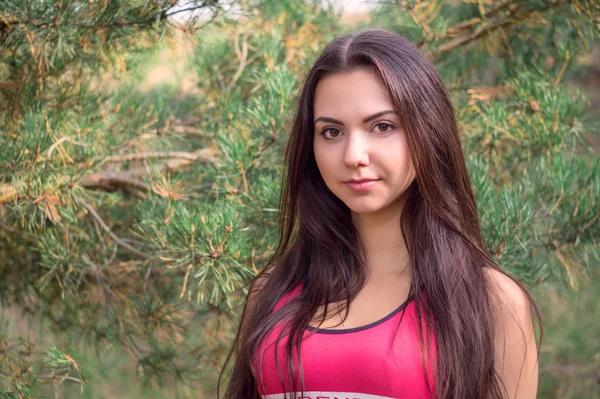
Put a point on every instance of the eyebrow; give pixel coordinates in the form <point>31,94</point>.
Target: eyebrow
<point>365,120</point>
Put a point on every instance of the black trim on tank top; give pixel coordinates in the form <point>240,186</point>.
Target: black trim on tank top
<point>361,328</point>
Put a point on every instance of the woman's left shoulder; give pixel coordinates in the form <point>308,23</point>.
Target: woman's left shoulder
<point>514,338</point>
<point>506,294</point>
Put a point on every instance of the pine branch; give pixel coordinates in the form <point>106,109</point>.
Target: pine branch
<point>189,9</point>
<point>59,142</point>
<point>477,27</point>
<point>512,18</point>
<point>60,378</point>
<point>104,226</point>
<point>473,21</point>
<point>111,181</point>
<point>8,24</point>
<point>147,155</point>
<point>127,180</point>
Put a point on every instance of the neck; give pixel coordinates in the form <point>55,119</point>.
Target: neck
<point>385,248</point>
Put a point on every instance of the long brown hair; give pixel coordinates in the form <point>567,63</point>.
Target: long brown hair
<point>320,247</point>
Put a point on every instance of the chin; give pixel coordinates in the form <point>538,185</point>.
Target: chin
<point>363,208</point>
<point>364,211</point>
<point>373,205</point>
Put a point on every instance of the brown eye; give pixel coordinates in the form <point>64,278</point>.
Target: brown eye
<point>333,132</point>
<point>384,127</point>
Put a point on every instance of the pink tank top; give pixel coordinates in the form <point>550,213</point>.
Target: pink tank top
<point>367,362</point>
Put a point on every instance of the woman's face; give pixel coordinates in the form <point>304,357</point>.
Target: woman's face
<point>357,137</point>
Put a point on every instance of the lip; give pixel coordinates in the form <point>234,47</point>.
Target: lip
<point>361,184</point>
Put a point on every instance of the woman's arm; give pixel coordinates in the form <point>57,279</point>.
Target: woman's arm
<point>514,343</point>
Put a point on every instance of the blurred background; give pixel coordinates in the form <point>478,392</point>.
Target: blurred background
<point>141,146</point>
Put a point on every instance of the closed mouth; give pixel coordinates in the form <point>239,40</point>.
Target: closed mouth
<point>361,181</point>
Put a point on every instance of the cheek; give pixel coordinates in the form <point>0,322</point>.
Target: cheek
<point>323,160</point>
<point>400,162</point>
<point>408,166</point>
<point>324,168</point>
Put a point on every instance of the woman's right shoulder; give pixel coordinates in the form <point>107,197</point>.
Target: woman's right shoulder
<point>257,285</point>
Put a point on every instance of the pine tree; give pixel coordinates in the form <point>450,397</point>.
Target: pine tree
<point>138,220</point>
<point>57,127</point>
<point>522,129</point>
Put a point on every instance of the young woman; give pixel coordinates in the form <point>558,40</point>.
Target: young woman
<point>381,286</point>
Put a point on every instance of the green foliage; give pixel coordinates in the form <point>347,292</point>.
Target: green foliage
<point>18,355</point>
<point>570,355</point>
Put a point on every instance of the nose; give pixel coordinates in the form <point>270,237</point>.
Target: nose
<point>357,150</point>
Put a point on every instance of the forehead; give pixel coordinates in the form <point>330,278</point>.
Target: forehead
<point>352,95</point>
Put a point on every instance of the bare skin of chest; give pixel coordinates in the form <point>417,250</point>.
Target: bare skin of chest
<point>370,305</point>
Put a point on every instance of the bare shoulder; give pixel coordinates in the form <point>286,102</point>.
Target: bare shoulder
<point>506,295</point>
<point>514,339</point>
<point>258,283</point>
<point>256,286</point>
